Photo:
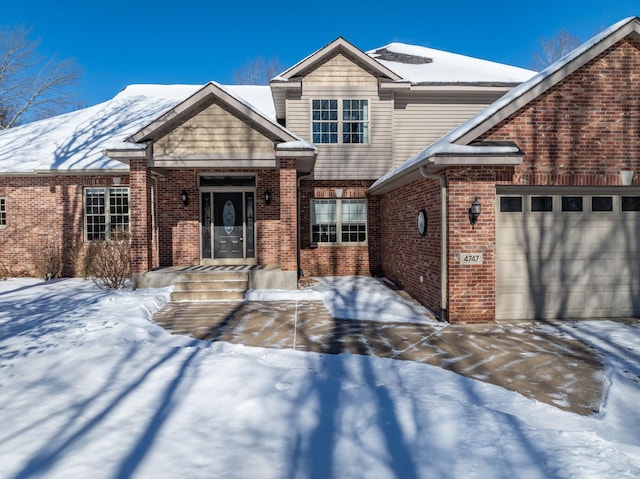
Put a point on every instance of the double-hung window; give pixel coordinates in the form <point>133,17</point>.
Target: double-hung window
<point>3,212</point>
<point>106,213</point>
<point>340,121</point>
<point>339,221</point>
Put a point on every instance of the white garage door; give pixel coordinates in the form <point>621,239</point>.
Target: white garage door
<point>563,253</point>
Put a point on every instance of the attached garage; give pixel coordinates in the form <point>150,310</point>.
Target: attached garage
<point>567,253</point>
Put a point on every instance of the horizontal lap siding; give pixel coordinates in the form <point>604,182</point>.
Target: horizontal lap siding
<point>340,78</point>
<point>213,130</point>
<point>419,121</point>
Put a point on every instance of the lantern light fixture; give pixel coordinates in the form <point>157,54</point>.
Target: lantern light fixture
<point>474,212</point>
<point>185,197</point>
<point>267,197</point>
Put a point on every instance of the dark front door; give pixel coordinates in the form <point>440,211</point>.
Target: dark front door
<point>228,223</point>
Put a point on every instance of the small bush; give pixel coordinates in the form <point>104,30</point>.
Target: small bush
<point>48,261</point>
<point>4,271</point>
<point>108,263</point>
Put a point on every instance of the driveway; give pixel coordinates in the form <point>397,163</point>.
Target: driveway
<point>536,359</point>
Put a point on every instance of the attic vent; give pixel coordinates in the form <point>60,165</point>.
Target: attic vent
<point>385,54</point>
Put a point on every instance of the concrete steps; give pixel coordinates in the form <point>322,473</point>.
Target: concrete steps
<point>211,286</point>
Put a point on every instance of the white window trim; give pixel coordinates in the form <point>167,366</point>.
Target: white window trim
<point>106,190</point>
<point>340,120</point>
<point>338,241</point>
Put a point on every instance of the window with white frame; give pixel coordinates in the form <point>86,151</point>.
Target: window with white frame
<point>335,221</point>
<point>106,212</point>
<point>3,212</point>
<point>335,121</point>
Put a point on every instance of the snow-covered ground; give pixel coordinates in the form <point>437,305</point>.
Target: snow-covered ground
<point>90,387</point>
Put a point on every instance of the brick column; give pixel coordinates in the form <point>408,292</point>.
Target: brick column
<point>139,211</point>
<point>472,287</point>
<point>288,216</point>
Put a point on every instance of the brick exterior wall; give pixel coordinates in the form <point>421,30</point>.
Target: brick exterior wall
<point>43,210</point>
<point>405,255</point>
<point>581,132</point>
<point>179,226</point>
<point>332,260</point>
<point>471,288</point>
<point>585,129</point>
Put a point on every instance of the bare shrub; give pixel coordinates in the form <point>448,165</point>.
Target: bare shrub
<point>76,258</point>
<point>4,271</point>
<point>47,260</point>
<point>108,263</point>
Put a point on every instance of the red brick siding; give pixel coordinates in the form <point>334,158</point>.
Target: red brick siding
<point>584,130</point>
<point>40,210</point>
<point>330,260</point>
<point>288,216</point>
<point>405,255</point>
<point>471,288</point>
<point>179,226</point>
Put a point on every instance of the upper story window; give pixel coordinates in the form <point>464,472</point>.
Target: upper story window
<point>3,212</point>
<point>106,213</point>
<point>340,121</point>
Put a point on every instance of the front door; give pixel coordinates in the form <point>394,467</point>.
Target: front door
<point>227,225</point>
<point>228,221</point>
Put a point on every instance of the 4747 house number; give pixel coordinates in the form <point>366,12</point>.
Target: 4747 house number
<point>470,258</point>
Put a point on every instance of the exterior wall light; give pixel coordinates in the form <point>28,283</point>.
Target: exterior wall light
<point>474,212</point>
<point>267,197</point>
<point>185,197</point>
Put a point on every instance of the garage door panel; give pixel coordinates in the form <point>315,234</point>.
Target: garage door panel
<point>568,264</point>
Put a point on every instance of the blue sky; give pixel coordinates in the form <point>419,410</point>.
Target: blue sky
<point>121,42</point>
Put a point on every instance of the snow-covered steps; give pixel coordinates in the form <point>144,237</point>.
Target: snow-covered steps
<point>211,286</point>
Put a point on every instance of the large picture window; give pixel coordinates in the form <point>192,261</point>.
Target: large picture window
<point>335,121</point>
<point>3,212</point>
<point>106,213</point>
<point>339,221</point>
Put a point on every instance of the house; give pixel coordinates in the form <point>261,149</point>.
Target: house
<point>486,191</point>
<point>552,168</point>
<point>273,176</point>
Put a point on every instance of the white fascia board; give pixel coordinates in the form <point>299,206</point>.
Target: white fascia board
<point>480,160</point>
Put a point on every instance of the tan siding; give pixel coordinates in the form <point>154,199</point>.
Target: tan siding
<point>418,122</point>
<point>214,130</point>
<point>338,71</point>
<point>346,161</point>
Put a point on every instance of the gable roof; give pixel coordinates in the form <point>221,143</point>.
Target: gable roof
<point>77,141</point>
<point>458,145</point>
<point>338,45</point>
<point>209,94</point>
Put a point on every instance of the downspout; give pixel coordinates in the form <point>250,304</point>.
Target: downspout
<point>298,235</point>
<point>443,239</point>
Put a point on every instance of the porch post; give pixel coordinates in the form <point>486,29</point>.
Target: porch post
<point>139,211</point>
<point>288,216</point>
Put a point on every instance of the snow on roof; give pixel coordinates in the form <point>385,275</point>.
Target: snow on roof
<point>421,65</point>
<point>447,145</point>
<point>77,140</point>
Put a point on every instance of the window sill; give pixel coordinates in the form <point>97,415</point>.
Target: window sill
<point>336,245</point>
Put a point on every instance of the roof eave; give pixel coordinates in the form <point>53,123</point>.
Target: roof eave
<point>211,92</point>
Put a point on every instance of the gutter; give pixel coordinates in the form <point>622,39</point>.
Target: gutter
<point>443,239</point>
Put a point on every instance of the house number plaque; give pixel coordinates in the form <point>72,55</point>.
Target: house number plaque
<point>470,258</point>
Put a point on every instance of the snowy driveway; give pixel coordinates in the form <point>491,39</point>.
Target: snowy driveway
<point>533,359</point>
